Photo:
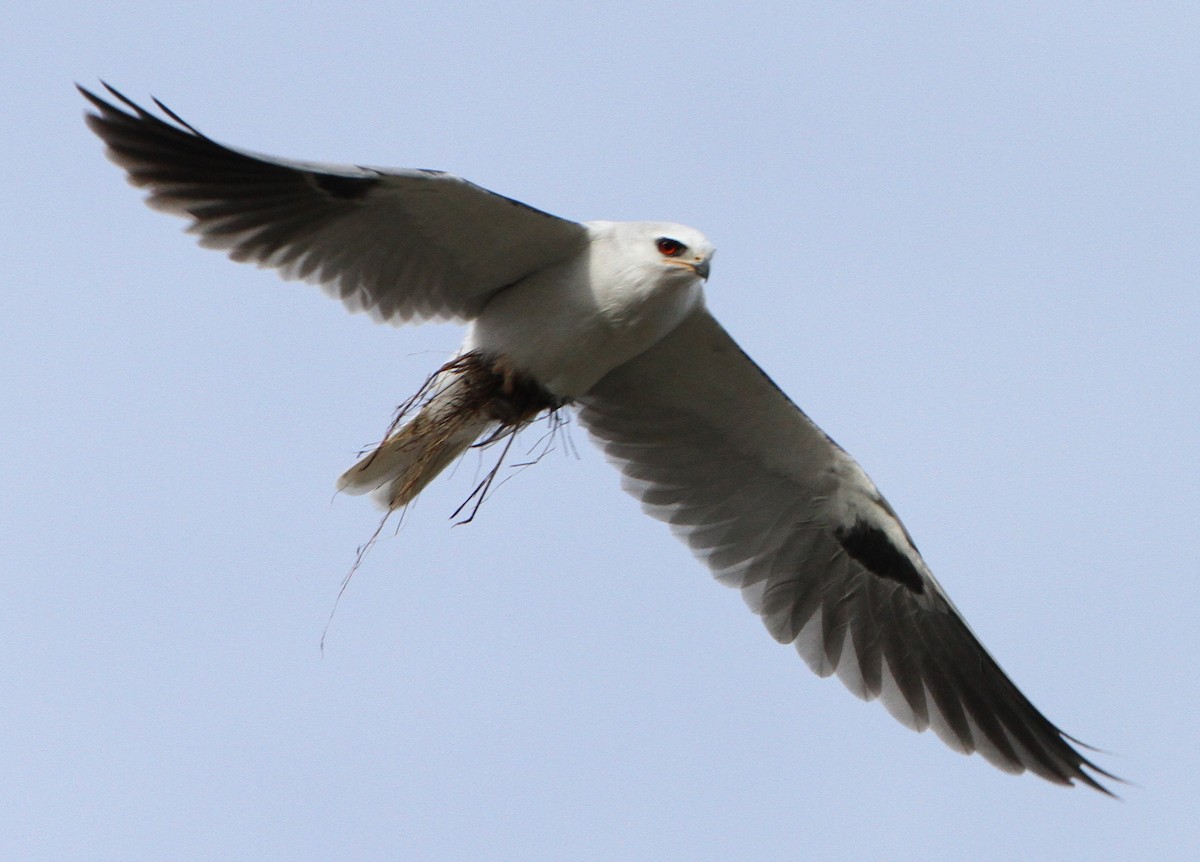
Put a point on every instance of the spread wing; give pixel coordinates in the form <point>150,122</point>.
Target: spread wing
<point>709,444</point>
<point>401,244</point>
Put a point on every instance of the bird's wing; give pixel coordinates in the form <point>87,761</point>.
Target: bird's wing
<point>711,445</point>
<point>401,244</point>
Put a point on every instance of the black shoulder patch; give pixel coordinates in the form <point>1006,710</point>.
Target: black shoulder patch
<point>871,547</point>
<point>345,188</point>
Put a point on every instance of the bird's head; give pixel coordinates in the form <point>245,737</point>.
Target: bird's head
<point>668,251</point>
<point>681,247</point>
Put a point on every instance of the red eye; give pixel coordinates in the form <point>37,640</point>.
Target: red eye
<point>670,247</point>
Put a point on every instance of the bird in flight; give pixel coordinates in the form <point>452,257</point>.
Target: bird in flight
<point>610,319</point>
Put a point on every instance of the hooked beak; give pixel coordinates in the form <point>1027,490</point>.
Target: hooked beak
<point>698,266</point>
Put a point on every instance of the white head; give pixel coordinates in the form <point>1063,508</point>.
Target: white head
<point>660,252</point>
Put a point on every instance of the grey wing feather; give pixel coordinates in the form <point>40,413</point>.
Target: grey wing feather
<point>401,244</point>
<point>712,446</point>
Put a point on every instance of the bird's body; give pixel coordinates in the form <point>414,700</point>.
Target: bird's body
<point>559,330</point>
<point>570,324</point>
<point>610,317</point>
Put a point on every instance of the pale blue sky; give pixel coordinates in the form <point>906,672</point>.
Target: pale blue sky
<point>962,236</point>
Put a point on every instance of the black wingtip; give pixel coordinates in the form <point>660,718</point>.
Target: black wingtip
<point>132,108</point>
<point>180,120</point>
<point>100,103</point>
<point>1092,782</point>
<point>125,100</point>
<point>1085,764</point>
<point>108,109</point>
<point>96,101</point>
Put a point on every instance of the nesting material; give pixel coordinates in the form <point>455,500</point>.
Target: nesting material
<point>471,398</point>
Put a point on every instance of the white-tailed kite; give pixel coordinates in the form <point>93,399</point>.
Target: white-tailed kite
<point>610,317</point>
